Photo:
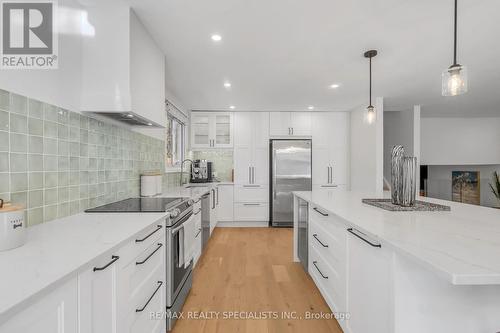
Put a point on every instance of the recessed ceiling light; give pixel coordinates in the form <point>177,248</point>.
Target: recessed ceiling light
<point>216,38</point>
<point>227,85</point>
<point>310,107</point>
<point>130,116</point>
<point>232,107</point>
<point>335,86</point>
<point>150,124</point>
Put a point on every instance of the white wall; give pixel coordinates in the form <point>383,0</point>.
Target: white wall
<point>366,141</point>
<point>460,141</point>
<point>398,130</point>
<point>60,86</point>
<point>439,181</point>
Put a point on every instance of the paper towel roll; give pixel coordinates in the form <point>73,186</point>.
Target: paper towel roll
<point>149,187</point>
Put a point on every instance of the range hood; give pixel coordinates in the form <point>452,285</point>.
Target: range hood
<point>129,118</point>
<point>123,69</point>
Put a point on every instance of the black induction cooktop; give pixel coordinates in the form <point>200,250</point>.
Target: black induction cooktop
<point>137,205</point>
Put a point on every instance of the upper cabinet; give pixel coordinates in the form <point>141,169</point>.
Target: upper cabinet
<point>329,149</point>
<point>290,124</point>
<point>211,130</point>
<point>123,70</point>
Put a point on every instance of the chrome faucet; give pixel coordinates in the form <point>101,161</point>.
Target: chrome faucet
<point>182,170</point>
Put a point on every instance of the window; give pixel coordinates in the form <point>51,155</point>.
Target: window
<point>177,142</point>
<point>175,139</point>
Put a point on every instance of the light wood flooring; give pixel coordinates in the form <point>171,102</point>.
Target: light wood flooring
<point>251,270</point>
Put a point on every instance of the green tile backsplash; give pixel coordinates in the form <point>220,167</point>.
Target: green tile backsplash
<point>222,162</point>
<point>57,162</point>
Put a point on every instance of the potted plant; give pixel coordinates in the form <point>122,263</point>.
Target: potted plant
<point>495,187</point>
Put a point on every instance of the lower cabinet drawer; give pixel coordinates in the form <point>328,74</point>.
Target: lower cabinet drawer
<point>331,244</point>
<point>251,193</point>
<point>329,281</point>
<point>247,211</point>
<point>149,298</point>
<point>149,261</point>
<point>141,242</point>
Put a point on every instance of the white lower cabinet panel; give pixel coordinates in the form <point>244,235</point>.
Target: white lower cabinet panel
<point>56,312</point>
<point>225,203</point>
<point>251,193</point>
<point>370,286</point>
<point>330,281</point>
<point>149,298</point>
<point>249,211</point>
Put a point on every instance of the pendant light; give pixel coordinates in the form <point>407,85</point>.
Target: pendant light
<point>370,109</point>
<point>455,77</point>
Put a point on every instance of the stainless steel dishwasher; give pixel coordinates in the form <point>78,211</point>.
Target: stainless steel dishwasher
<point>302,234</point>
<point>206,207</point>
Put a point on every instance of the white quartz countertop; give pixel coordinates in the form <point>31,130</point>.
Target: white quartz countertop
<point>186,191</point>
<point>58,249</point>
<point>462,246</point>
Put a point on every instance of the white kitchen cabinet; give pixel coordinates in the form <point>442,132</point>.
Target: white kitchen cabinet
<point>329,148</point>
<point>290,124</point>
<point>101,296</point>
<point>211,130</point>
<point>225,203</point>
<point>251,166</point>
<point>251,148</point>
<point>369,287</point>
<point>55,312</point>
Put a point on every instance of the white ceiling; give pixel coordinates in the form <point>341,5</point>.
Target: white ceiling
<point>283,54</point>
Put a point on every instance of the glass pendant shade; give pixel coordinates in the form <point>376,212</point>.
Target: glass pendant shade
<point>370,114</point>
<point>454,81</point>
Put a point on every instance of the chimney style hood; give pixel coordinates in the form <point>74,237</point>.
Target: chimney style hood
<point>123,75</point>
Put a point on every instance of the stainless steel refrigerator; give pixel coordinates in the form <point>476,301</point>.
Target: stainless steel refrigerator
<point>290,171</point>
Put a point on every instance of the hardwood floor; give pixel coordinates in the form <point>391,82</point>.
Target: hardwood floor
<point>250,270</point>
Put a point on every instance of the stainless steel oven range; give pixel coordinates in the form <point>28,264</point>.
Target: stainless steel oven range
<point>179,276</point>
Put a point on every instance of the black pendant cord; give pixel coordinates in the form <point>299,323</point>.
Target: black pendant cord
<point>455,37</point>
<point>370,81</point>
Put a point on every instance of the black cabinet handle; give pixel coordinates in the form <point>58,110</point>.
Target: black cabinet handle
<point>199,231</point>
<point>217,196</point>
<point>316,236</point>
<point>351,230</point>
<point>113,259</point>
<point>199,210</point>
<point>213,199</point>
<point>314,263</point>
<point>150,255</point>
<point>149,235</point>
<point>316,209</point>
<point>150,298</point>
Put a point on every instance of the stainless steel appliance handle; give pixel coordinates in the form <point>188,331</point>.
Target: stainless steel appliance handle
<point>217,195</point>
<point>315,265</point>
<point>150,255</point>
<point>213,199</point>
<point>292,130</point>
<point>355,233</point>
<point>319,241</point>
<point>160,283</point>
<point>274,175</point>
<point>330,186</point>
<point>184,219</point>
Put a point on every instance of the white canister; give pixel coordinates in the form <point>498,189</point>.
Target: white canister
<point>12,226</point>
<point>151,184</point>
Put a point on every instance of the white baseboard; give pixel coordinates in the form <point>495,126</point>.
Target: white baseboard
<point>242,224</point>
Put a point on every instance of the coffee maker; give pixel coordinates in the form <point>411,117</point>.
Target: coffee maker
<point>201,172</point>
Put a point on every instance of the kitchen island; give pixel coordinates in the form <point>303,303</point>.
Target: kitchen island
<point>403,271</point>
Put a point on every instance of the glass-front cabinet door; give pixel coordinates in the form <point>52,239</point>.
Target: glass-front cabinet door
<point>211,130</point>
